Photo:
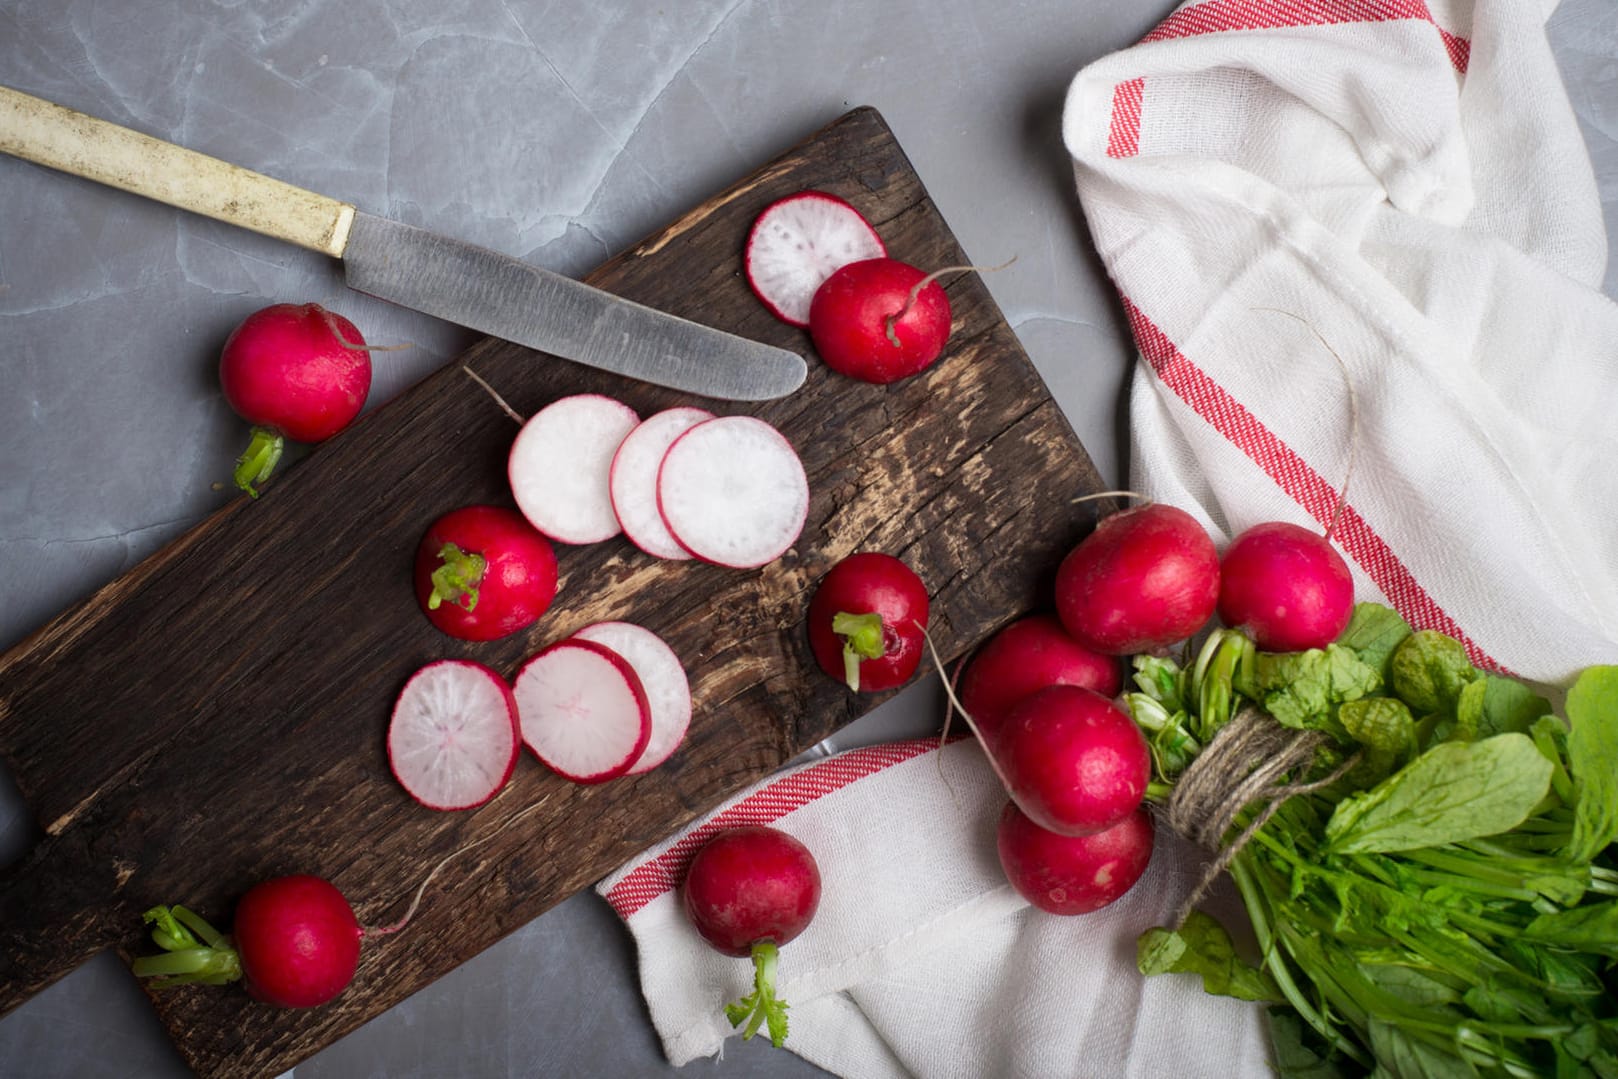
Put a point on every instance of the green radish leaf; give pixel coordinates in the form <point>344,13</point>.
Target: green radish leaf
<point>1453,792</point>
<point>1374,633</point>
<point>1302,689</point>
<point>1399,1054</point>
<point>1509,706</point>
<point>1590,928</point>
<point>1592,748</point>
<point>1429,670</point>
<point>1385,727</point>
<point>1300,1053</point>
<point>1202,947</point>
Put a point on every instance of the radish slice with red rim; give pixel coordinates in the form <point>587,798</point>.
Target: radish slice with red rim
<point>633,483</point>
<point>732,491</point>
<point>799,241</point>
<point>582,711</point>
<point>668,690</point>
<point>560,465</point>
<point>452,742</point>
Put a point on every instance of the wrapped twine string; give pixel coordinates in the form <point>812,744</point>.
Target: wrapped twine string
<point>1243,764</point>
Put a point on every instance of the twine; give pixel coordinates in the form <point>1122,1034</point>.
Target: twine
<point>1243,764</point>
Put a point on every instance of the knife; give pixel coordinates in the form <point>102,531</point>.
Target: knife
<point>472,286</point>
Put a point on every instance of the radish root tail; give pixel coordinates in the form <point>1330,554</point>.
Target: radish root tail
<point>1353,416</point>
<point>490,390</point>
<point>892,323</point>
<point>337,332</point>
<point>421,889</point>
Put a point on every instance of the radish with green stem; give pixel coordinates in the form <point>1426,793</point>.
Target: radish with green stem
<point>293,371</point>
<point>749,891</point>
<point>484,572</point>
<point>866,621</point>
<point>1286,587</point>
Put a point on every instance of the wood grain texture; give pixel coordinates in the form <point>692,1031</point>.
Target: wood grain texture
<point>218,715</point>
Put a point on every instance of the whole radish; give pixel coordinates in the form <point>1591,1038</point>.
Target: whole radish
<point>1024,657</point>
<point>1072,760</point>
<point>1073,874</point>
<point>879,320</point>
<point>294,371</point>
<point>484,572</point>
<point>296,944</point>
<point>1146,578</point>
<point>866,621</point>
<point>748,891</point>
<point>1286,586</point>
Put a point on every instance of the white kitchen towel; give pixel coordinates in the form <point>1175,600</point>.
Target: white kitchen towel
<point>921,959</point>
<point>1407,181</point>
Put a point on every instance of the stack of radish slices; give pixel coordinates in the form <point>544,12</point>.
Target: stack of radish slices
<point>609,701</point>
<point>681,483</point>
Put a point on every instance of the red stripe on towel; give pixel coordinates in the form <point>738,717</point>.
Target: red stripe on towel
<point>1123,137</point>
<point>1298,480</point>
<point>768,804</point>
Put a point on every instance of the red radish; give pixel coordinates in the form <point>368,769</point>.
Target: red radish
<point>560,464</point>
<point>633,479</point>
<point>1145,579</point>
<point>1073,760</point>
<point>866,622</point>
<point>797,242</point>
<point>582,711</point>
<point>296,944</point>
<point>1073,874</point>
<point>668,691</point>
<point>484,572</point>
<point>453,740</point>
<point>732,491</point>
<point>294,371</point>
<point>750,890</point>
<point>1286,586</point>
<point>879,320</point>
<point>1025,657</point>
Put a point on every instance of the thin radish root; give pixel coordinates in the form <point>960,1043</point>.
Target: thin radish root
<point>490,390</point>
<point>1137,496</point>
<point>956,705</point>
<point>415,902</point>
<point>892,322</point>
<point>1353,416</point>
<point>337,335</point>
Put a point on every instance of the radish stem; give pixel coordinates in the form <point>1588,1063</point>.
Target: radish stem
<point>256,463</point>
<point>761,1006</point>
<point>457,579</point>
<point>862,639</point>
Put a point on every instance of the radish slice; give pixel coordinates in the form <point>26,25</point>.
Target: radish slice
<point>582,711</point>
<point>668,691</point>
<point>633,482</point>
<point>560,463</point>
<point>733,491</point>
<point>452,742</point>
<point>798,242</point>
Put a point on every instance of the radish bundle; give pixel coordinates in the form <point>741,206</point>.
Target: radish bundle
<point>1431,882</point>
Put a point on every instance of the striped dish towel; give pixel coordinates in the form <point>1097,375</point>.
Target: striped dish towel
<point>1407,181</point>
<point>921,959</point>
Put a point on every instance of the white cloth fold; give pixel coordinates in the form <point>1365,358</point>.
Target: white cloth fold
<point>1405,179</point>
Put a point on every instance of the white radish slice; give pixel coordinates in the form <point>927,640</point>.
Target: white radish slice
<point>668,691</point>
<point>452,742</point>
<point>560,464</point>
<point>633,482</point>
<point>582,711</point>
<point>732,491</point>
<point>799,241</point>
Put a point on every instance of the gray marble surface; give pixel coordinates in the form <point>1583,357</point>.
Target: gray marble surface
<point>560,131</point>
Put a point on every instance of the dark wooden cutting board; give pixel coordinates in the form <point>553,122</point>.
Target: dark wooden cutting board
<point>217,715</point>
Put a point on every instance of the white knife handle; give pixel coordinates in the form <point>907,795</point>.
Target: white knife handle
<point>48,134</point>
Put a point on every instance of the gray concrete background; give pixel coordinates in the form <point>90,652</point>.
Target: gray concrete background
<point>560,132</point>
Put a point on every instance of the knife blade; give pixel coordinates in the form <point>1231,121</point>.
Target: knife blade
<point>458,282</point>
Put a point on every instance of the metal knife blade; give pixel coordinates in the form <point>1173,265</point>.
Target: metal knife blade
<point>472,286</point>
<point>514,300</point>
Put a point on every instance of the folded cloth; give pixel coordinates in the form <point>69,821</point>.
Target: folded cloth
<point>1293,198</point>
